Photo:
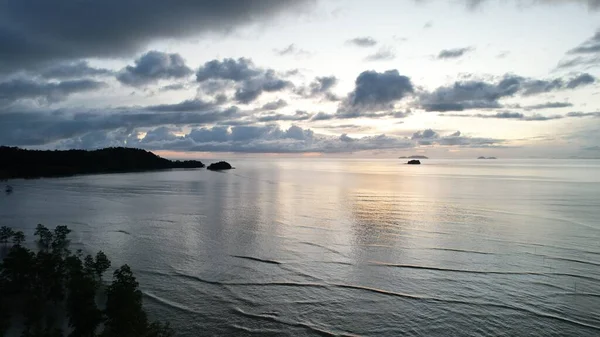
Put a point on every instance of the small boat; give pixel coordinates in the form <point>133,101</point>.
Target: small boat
<point>8,189</point>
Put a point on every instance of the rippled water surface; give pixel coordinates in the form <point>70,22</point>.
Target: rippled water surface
<point>345,247</point>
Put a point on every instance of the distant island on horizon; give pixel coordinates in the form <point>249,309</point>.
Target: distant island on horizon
<point>413,157</point>
<point>22,163</point>
<point>482,157</point>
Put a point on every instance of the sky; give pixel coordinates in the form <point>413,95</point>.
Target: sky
<point>381,78</point>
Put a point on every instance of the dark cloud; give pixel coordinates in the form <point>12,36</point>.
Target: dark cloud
<point>374,90</point>
<point>425,134</point>
<point>587,54</point>
<point>275,105</point>
<point>37,31</point>
<point>365,41</point>
<point>591,46</point>
<point>152,67</point>
<point>238,70</point>
<point>583,114</point>
<point>23,128</point>
<point>549,105</point>
<point>188,105</point>
<point>174,87</point>
<point>298,116</point>
<point>581,80</point>
<point>510,115</point>
<point>76,69</point>
<point>322,116</point>
<point>319,88</point>
<point>383,54</point>
<point>580,61</point>
<point>453,53</point>
<point>475,4</point>
<point>292,49</point>
<point>478,94</point>
<point>46,92</point>
<point>430,137</point>
<point>249,80</point>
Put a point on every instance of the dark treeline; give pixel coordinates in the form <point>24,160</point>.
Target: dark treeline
<point>21,163</point>
<point>54,293</point>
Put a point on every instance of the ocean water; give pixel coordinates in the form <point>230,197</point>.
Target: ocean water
<point>347,247</point>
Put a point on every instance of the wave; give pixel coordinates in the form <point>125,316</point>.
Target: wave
<point>169,303</point>
<point>309,327</point>
<point>490,272</point>
<point>461,251</point>
<point>496,305</point>
<point>121,231</point>
<point>255,259</point>
<point>322,247</point>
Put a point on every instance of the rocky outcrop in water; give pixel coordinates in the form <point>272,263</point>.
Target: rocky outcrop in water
<point>222,165</point>
<point>414,162</point>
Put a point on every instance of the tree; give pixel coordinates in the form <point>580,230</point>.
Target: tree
<point>5,234</point>
<point>55,280</point>
<point>60,241</point>
<point>101,264</point>
<point>18,238</point>
<point>44,236</point>
<point>125,317</point>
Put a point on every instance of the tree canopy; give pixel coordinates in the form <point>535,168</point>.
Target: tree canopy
<point>37,286</point>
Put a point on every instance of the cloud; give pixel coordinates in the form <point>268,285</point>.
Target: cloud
<point>26,128</point>
<point>376,91</point>
<point>319,87</point>
<point>292,49</point>
<point>591,46</point>
<point>46,92</point>
<point>510,115</point>
<point>581,80</point>
<point>298,116</point>
<point>425,134</point>
<point>453,53</point>
<point>587,54</point>
<point>187,105</point>
<point>476,4</point>
<point>249,80</point>
<point>549,105</point>
<point>428,25</point>
<point>583,114</point>
<point>75,69</point>
<point>275,105</point>
<point>174,87</point>
<point>580,61</point>
<point>430,137</point>
<point>383,54</point>
<point>152,67</point>
<point>39,31</point>
<point>272,139</point>
<point>479,94</point>
<point>365,41</point>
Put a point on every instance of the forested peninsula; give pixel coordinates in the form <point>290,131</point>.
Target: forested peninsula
<point>21,163</point>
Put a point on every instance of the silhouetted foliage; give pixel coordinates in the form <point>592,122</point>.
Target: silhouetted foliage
<point>5,234</point>
<point>21,163</point>
<point>42,283</point>
<point>18,237</point>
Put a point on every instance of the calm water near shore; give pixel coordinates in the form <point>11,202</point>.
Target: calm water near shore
<point>344,246</point>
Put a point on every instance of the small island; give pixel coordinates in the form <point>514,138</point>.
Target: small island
<point>220,166</point>
<point>414,157</point>
<point>22,163</point>
<point>414,162</point>
<point>482,157</point>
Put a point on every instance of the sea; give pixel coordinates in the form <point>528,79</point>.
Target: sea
<point>344,247</point>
